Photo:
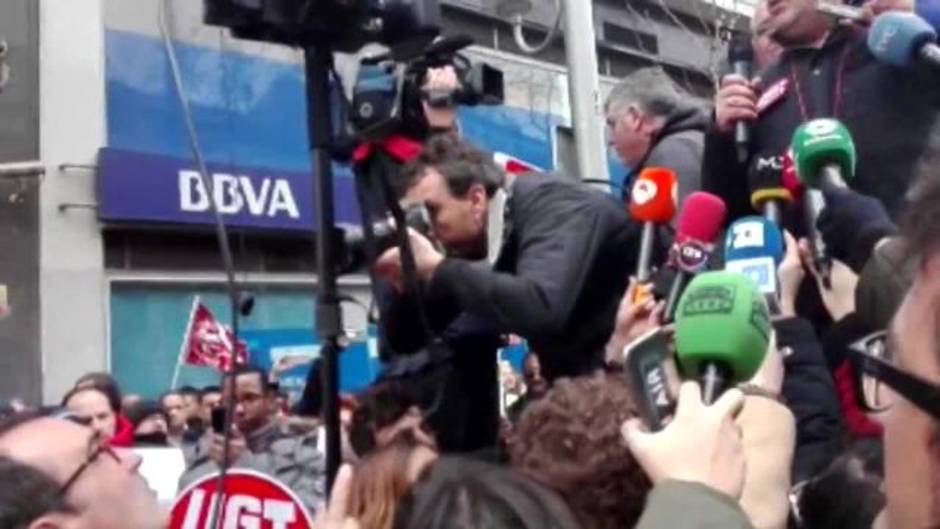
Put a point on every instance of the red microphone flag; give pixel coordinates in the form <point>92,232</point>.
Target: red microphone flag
<point>653,197</point>
<point>209,343</point>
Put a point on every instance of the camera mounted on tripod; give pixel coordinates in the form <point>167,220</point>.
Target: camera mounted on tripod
<point>389,91</point>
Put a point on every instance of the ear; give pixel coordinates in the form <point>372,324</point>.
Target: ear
<point>478,198</point>
<point>634,117</point>
<point>53,520</point>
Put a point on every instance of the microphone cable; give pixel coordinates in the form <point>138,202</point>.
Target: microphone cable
<point>164,21</point>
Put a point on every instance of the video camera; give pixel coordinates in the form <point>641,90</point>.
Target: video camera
<point>388,93</point>
<point>406,26</point>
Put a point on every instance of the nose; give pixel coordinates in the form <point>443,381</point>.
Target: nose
<point>129,459</point>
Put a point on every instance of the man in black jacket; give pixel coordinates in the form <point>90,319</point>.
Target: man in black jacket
<point>650,124</point>
<point>826,71</point>
<point>541,257</point>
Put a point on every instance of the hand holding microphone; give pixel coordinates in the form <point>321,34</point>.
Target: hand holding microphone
<point>852,224</point>
<point>735,101</point>
<point>741,59</point>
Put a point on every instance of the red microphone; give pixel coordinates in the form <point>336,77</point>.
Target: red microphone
<point>652,202</point>
<point>700,221</point>
<point>788,176</point>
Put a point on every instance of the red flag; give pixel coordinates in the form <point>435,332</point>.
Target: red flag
<point>209,343</point>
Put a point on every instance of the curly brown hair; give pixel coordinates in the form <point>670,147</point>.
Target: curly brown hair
<point>571,440</point>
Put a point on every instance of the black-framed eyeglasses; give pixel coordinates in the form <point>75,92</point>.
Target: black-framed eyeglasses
<point>872,361</point>
<point>97,445</point>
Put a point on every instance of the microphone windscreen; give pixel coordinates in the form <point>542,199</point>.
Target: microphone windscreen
<point>653,197</point>
<point>740,49</point>
<point>765,179</point>
<point>895,37</point>
<point>821,142</point>
<point>722,318</point>
<point>701,218</point>
<point>754,247</point>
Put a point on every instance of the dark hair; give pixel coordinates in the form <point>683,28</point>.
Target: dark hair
<point>104,383</point>
<point>465,494</point>
<point>380,406</point>
<point>922,214</point>
<point>189,391</point>
<point>27,494</point>
<point>141,410</point>
<point>75,391</point>
<point>848,493</point>
<point>460,163</point>
<point>262,375</point>
<point>570,439</point>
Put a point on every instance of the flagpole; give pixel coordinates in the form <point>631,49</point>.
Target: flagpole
<point>179,358</point>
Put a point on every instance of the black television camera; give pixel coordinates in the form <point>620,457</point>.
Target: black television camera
<point>406,26</point>
<point>388,94</point>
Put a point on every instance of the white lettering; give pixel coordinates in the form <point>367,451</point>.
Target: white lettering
<point>242,512</point>
<point>282,199</point>
<point>196,499</point>
<point>193,195</point>
<point>748,235</point>
<point>279,513</point>
<point>227,197</point>
<point>255,201</point>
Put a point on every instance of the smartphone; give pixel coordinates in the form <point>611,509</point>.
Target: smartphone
<point>218,419</point>
<point>645,363</point>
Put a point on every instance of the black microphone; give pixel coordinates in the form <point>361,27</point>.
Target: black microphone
<point>768,194</point>
<point>741,57</point>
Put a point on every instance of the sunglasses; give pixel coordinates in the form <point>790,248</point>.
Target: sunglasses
<point>97,446</point>
<point>871,359</point>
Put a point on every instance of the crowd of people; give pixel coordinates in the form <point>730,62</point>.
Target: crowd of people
<point>838,428</point>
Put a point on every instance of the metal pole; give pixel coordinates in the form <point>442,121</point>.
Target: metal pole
<point>584,89</point>
<point>328,315</point>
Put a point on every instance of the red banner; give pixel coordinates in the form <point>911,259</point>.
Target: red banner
<point>209,343</point>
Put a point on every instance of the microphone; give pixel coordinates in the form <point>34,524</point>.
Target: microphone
<point>929,10</point>
<point>722,331</point>
<point>700,221</point>
<point>652,202</point>
<point>768,193</point>
<point>754,248</point>
<point>741,57</point>
<point>839,11</point>
<point>824,156</point>
<point>902,39</point>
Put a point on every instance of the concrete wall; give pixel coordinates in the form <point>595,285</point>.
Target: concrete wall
<point>72,129</point>
<point>20,372</point>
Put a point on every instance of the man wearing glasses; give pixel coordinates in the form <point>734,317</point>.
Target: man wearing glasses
<point>83,483</point>
<point>900,368</point>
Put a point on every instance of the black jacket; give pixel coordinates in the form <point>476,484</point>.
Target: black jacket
<point>888,110</point>
<point>563,267</point>
<point>810,394</point>
<point>679,147</point>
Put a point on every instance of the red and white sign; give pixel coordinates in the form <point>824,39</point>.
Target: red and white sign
<point>513,165</point>
<point>209,343</point>
<point>251,501</point>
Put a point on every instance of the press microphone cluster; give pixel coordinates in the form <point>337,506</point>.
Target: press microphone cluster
<point>903,39</point>
<point>653,203</point>
<point>754,248</point>
<point>700,222</point>
<point>722,331</point>
<point>769,195</point>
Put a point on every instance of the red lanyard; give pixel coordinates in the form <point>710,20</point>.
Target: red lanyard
<point>837,91</point>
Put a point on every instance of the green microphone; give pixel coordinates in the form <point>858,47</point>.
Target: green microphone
<point>722,331</point>
<point>824,158</point>
<point>823,153</point>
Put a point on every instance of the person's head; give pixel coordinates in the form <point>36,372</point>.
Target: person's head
<point>846,495</point>
<point>636,110</point>
<point>149,421</point>
<point>455,180</point>
<point>912,437</point>
<point>766,49</point>
<point>383,477</point>
<point>475,495</point>
<point>210,397</point>
<point>385,412</point>
<point>191,407</point>
<point>68,478</point>
<point>571,441</point>
<point>104,383</point>
<point>175,407</point>
<point>796,23</point>
<point>131,400</point>
<point>255,399</point>
<point>94,408</point>
<point>536,384</point>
